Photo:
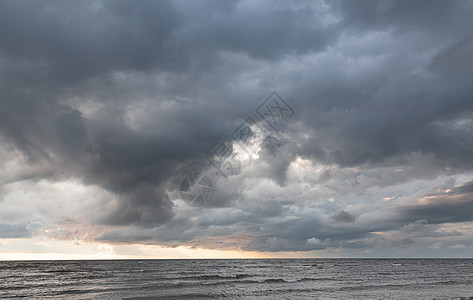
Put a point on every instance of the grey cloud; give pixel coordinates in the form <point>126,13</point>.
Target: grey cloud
<point>448,207</point>
<point>404,243</point>
<point>65,46</point>
<point>421,228</point>
<point>404,16</point>
<point>343,217</point>
<point>21,230</point>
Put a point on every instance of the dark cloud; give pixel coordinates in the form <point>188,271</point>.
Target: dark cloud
<point>420,15</point>
<point>343,217</point>
<point>450,206</point>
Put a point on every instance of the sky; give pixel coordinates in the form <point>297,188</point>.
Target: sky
<point>359,114</point>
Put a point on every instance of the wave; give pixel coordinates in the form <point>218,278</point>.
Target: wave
<point>222,276</point>
<point>118,272</point>
<point>258,281</point>
<point>284,280</point>
<point>298,267</point>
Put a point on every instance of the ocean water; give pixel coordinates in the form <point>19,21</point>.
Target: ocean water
<point>239,279</point>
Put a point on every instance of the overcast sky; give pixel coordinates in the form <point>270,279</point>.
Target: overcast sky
<point>106,106</point>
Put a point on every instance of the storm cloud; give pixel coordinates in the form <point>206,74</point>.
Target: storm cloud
<point>105,106</point>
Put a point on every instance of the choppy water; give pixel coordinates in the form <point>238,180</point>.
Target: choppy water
<point>240,278</point>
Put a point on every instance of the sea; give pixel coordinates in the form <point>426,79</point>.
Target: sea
<point>239,279</point>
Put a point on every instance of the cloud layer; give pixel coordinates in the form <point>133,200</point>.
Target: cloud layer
<point>105,106</point>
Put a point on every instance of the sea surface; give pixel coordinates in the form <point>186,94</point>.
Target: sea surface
<point>239,279</point>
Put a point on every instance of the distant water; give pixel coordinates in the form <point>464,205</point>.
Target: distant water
<point>240,278</point>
